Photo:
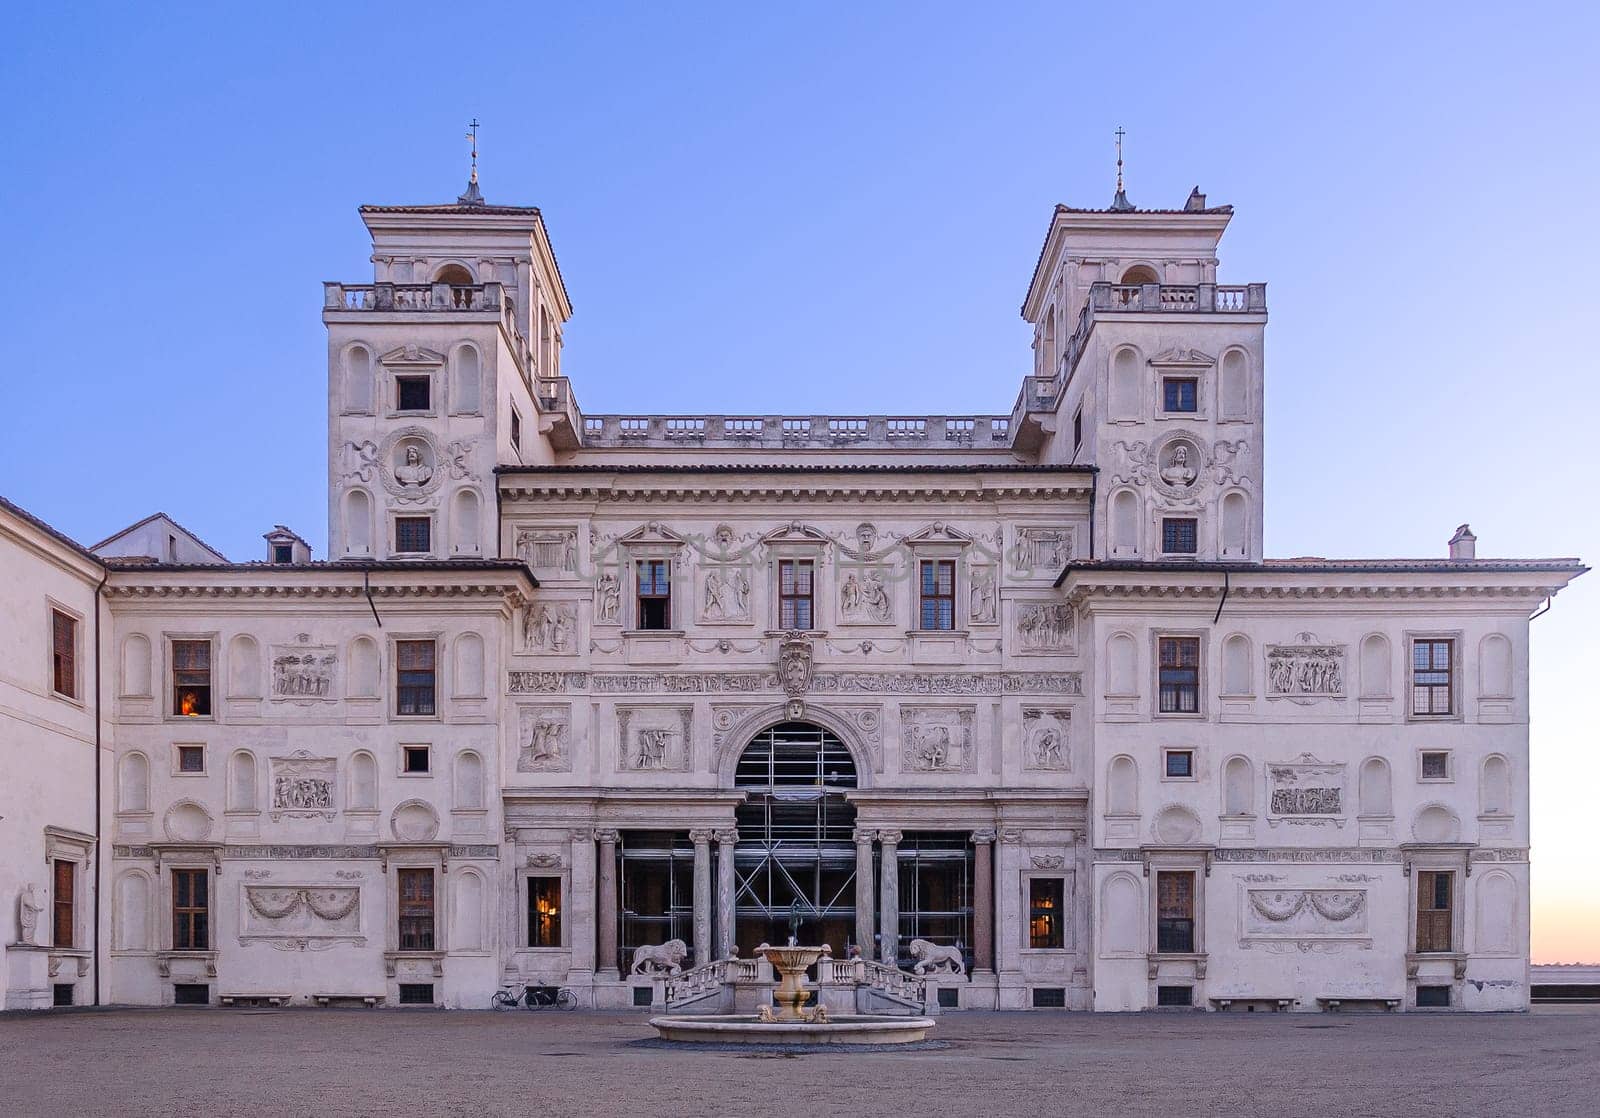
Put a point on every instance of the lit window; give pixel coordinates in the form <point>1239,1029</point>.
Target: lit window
<point>1432,677</point>
<point>413,535</point>
<point>412,393</point>
<point>191,678</point>
<point>1045,912</point>
<point>64,654</point>
<point>1179,535</point>
<point>794,593</point>
<point>544,912</point>
<point>1179,679</point>
<point>938,594</point>
<point>1179,394</point>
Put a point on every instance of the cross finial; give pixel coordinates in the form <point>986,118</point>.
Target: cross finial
<point>472,197</point>
<point>472,134</point>
<point>1120,203</point>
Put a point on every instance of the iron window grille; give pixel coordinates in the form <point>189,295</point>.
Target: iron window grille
<point>413,535</point>
<point>1180,535</point>
<point>414,677</point>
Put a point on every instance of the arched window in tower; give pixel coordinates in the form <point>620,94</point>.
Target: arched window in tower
<point>1238,787</point>
<point>453,274</point>
<point>1140,273</point>
<point>1122,786</point>
<point>1376,789</point>
<point>1125,384</point>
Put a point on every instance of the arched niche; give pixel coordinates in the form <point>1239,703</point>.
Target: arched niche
<point>359,381</point>
<point>1436,823</point>
<point>467,926</point>
<point>133,782</point>
<point>469,666</point>
<point>362,680</point>
<point>1121,916</point>
<point>1236,674</point>
<point>469,781</point>
<point>1494,786</point>
<point>1498,915</point>
<point>1376,792</point>
<point>1122,658</point>
<point>1122,786</point>
<point>1124,523</point>
<point>1235,526</point>
<point>1126,383</point>
<point>357,523</point>
<point>362,791</point>
<point>242,781</point>
<point>1235,391</point>
<point>465,523</point>
<point>244,668</point>
<point>1375,668</point>
<point>1238,787</point>
<point>130,928</point>
<point>136,666</point>
<point>466,384</point>
<point>1047,349</point>
<point>1494,667</point>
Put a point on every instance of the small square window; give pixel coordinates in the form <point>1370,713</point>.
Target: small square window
<point>1435,764</point>
<point>643,996</point>
<point>949,997</point>
<point>1433,997</point>
<point>1180,394</point>
<point>282,553</point>
<point>1180,764</point>
<point>191,758</point>
<point>413,535</point>
<point>412,393</point>
<point>416,759</point>
<point>1180,535</point>
<point>62,995</point>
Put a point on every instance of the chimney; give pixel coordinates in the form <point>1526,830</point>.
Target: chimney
<point>1463,545</point>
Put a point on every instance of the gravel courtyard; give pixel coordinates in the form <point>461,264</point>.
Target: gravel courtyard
<point>354,1062</point>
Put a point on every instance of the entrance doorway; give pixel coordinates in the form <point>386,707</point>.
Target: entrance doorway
<point>795,860</point>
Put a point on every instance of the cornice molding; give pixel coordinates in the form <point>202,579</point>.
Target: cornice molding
<point>766,491</point>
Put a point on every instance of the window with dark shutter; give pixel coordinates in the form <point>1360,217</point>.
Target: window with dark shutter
<point>1180,394</point>
<point>1434,910</point>
<point>63,896</point>
<point>64,654</point>
<point>191,910</point>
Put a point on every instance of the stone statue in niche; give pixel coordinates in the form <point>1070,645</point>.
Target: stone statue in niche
<point>1177,472</point>
<point>413,470</point>
<point>1309,670</point>
<point>549,627</point>
<point>982,597</point>
<point>1048,625</point>
<point>608,599</point>
<point>543,746</point>
<point>727,595</point>
<point>863,597</point>
<point>28,908</point>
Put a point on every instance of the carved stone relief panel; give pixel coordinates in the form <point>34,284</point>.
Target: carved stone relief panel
<point>1045,745</point>
<point>544,738</point>
<point>1305,791</point>
<point>608,598</point>
<point>864,595</point>
<point>937,739</point>
<point>724,594</point>
<point>303,672</point>
<point>1305,672</point>
<point>1046,627</point>
<point>301,917</point>
<point>1293,913</point>
<point>983,594</point>
<point>303,786</point>
<point>1042,551</point>
<point>551,549</point>
<point>654,739</point>
<point>550,627</point>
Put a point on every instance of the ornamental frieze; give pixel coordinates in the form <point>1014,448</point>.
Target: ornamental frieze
<point>761,682</point>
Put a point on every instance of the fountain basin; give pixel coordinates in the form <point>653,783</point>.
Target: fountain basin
<point>841,1029</point>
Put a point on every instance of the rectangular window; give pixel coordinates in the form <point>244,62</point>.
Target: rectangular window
<point>794,593</point>
<point>1434,910</point>
<point>1435,765</point>
<point>416,910</point>
<point>1174,996</point>
<point>1432,677</point>
<point>1180,535</point>
<point>1433,997</point>
<point>62,896</point>
<point>64,654</point>
<point>416,993</point>
<point>544,912</point>
<point>1180,763</point>
<point>62,994</point>
<point>1179,675</point>
<point>938,594</point>
<point>191,993</point>
<point>191,758</point>
<point>655,594</point>
<point>1175,911</point>
<point>191,679</point>
<point>516,429</point>
<point>1077,432</point>
<point>1180,394</point>
<point>415,759</point>
<point>412,393</point>
<point>1046,913</point>
<point>191,910</point>
<point>413,677</point>
<point>413,535</point>
<point>282,553</point>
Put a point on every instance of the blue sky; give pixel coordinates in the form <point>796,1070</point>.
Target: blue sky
<point>835,209</point>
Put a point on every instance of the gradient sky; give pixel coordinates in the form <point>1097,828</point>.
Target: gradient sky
<point>836,209</point>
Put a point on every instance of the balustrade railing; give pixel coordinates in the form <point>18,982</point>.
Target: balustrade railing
<point>780,431</point>
<point>413,296</point>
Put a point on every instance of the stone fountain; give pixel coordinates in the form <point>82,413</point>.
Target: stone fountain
<point>790,1024</point>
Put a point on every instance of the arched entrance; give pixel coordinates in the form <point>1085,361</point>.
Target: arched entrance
<point>795,861</point>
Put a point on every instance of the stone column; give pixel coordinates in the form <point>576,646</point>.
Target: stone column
<point>889,899</point>
<point>1010,919</point>
<point>606,907</point>
<point>983,900</point>
<point>725,891</point>
<point>702,896</point>
<point>579,902</point>
<point>864,913</point>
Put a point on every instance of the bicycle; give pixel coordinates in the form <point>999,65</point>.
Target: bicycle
<point>534,997</point>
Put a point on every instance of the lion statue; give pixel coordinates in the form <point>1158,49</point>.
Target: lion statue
<point>931,957</point>
<point>666,959</point>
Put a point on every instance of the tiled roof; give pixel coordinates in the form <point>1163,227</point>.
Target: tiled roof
<point>325,565</point>
<point>60,537</point>
<point>1312,565</point>
<point>172,521</point>
<point>454,208</point>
